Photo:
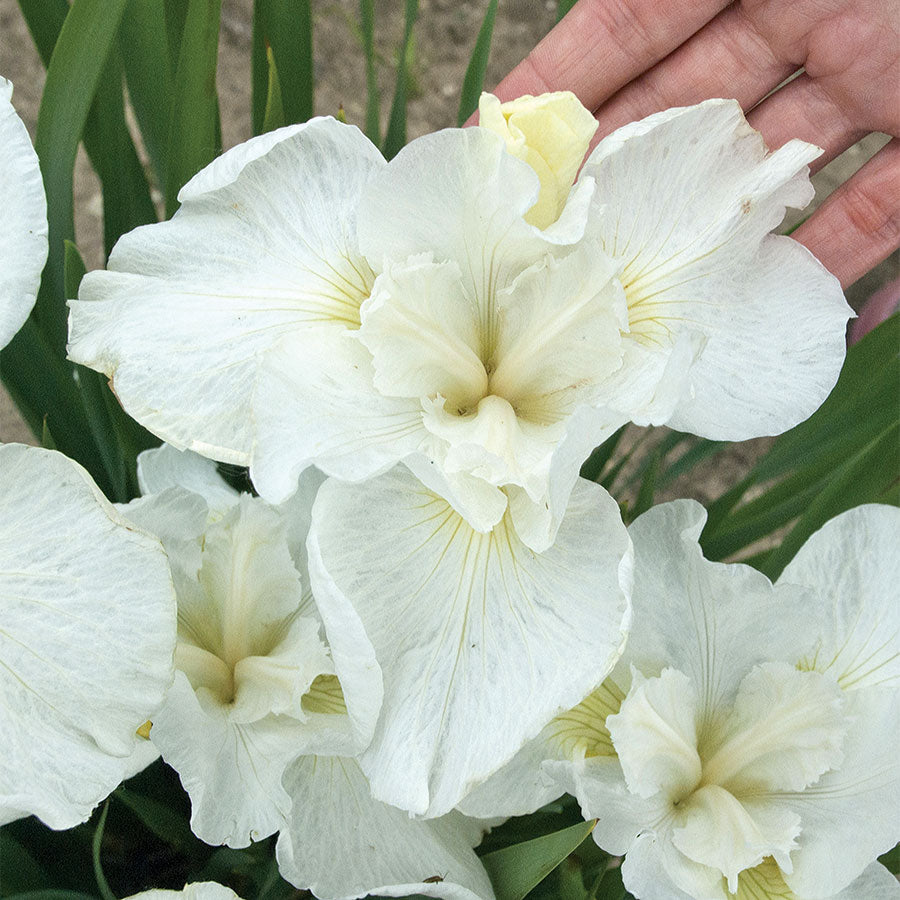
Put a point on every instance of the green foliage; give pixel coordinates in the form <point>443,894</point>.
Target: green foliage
<point>562,7</point>
<point>396,132</point>
<point>193,138</point>
<point>285,28</point>
<point>845,454</point>
<point>373,101</point>
<point>474,79</point>
<point>515,870</point>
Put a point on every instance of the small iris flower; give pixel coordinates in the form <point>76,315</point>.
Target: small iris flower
<point>745,745</point>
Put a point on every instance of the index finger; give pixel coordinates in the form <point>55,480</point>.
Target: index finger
<point>601,45</point>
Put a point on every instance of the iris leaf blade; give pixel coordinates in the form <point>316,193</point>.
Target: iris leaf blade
<point>473,82</point>
<point>515,870</point>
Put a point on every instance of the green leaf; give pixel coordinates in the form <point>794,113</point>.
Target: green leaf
<point>274,117</point>
<point>21,871</point>
<point>515,870</point>
<point>396,132</point>
<point>373,105</point>
<point>126,194</point>
<point>92,387</point>
<point>72,79</point>
<point>474,79</point>
<point>562,7</point>
<point>843,455</point>
<point>45,20</point>
<point>149,68</point>
<point>891,860</point>
<point>159,818</point>
<point>102,883</point>
<point>286,27</point>
<point>610,886</point>
<point>193,137</point>
<point>47,440</point>
<point>594,465</point>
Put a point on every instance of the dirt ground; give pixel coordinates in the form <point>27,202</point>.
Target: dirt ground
<point>444,36</point>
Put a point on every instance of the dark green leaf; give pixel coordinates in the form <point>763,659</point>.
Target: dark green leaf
<point>598,460</point>
<point>287,28</point>
<point>144,45</point>
<point>610,886</point>
<point>176,12</point>
<point>161,819</point>
<point>373,104</point>
<point>474,79</point>
<point>20,870</point>
<point>515,870</point>
<point>72,80</point>
<point>700,449</point>
<point>194,121</point>
<point>562,7</point>
<point>891,860</point>
<point>45,20</point>
<point>396,132</point>
<point>126,194</point>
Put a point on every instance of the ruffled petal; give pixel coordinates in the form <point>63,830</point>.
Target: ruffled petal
<point>712,621</point>
<point>165,467</point>
<point>23,220</point>
<point>349,430</point>
<point>852,565</point>
<point>232,772</point>
<point>471,212</point>
<point>86,645</point>
<point>382,851</point>
<point>849,816</point>
<point>179,319</point>
<point>685,200</point>
<point>451,611</point>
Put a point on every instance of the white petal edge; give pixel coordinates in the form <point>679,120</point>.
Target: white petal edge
<point>383,851</point>
<point>852,565</point>
<point>87,640</point>
<point>23,220</point>
<point>186,306</point>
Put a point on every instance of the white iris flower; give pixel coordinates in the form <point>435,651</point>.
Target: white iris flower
<point>23,220</point>
<point>88,630</point>
<point>276,692</point>
<point>746,744</point>
<point>462,310</point>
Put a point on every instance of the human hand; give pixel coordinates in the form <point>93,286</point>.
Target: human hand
<point>625,59</point>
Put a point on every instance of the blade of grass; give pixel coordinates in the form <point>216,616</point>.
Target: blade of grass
<point>474,78</point>
<point>144,45</point>
<point>594,465</point>
<point>72,79</point>
<point>194,120</point>
<point>373,100</point>
<point>700,449</point>
<point>648,485</point>
<point>126,194</point>
<point>91,386</point>
<point>396,132</point>
<point>162,821</point>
